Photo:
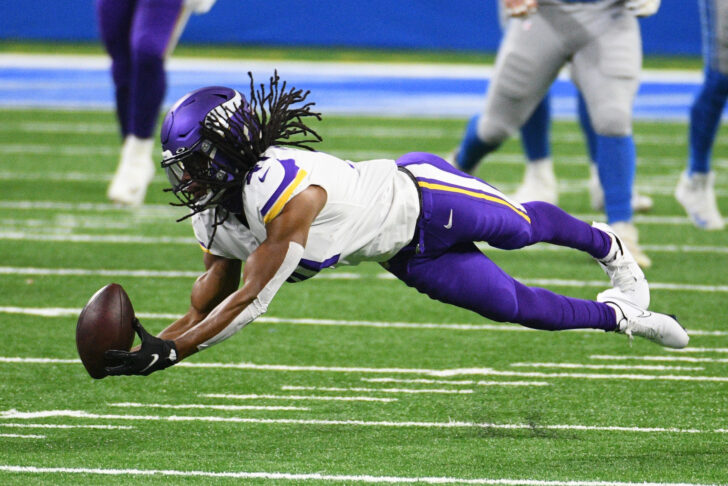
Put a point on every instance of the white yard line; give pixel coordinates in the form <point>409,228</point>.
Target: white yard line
<point>322,68</point>
<point>360,131</point>
<point>641,219</point>
<point>669,248</point>
<point>56,233</point>
<point>651,185</point>
<point>81,414</point>
<point>684,359</point>
<point>30,271</point>
<point>111,239</point>
<point>204,406</point>
<point>445,391</point>
<point>22,436</point>
<point>66,426</point>
<point>348,478</point>
<point>66,224</point>
<point>698,350</point>
<point>59,150</point>
<point>162,210</point>
<point>60,127</point>
<point>455,382</point>
<point>582,376</point>
<point>64,176</point>
<point>500,158</point>
<point>230,396</point>
<point>415,371</point>
<point>5,359</point>
<point>325,69</point>
<point>607,367</point>
<point>55,176</point>
<point>558,282</point>
<point>74,312</point>
<point>146,210</point>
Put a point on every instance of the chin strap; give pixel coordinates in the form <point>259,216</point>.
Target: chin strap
<point>260,304</point>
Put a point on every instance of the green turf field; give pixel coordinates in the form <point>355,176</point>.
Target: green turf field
<point>351,377</point>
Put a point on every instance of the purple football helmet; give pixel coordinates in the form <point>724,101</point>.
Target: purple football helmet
<point>198,172</point>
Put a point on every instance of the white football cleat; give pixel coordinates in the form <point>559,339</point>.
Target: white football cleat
<point>539,183</point>
<point>623,271</point>
<point>633,321</point>
<point>640,202</point>
<point>695,193</point>
<point>134,173</point>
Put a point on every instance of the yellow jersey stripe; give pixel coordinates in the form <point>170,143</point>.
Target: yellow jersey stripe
<point>283,198</point>
<point>479,195</point>
<point>204,249</point>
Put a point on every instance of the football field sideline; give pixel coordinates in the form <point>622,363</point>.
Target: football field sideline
<point>393,89</point>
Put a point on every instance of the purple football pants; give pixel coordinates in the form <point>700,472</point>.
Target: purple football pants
<point>443,262</point>
<point>137,34</point>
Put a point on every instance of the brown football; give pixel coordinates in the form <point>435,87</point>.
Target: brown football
<point>105,323</point>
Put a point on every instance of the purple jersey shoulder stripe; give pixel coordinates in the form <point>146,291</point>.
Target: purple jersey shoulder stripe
<point>290,171</point>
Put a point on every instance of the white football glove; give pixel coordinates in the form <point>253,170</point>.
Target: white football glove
<point>520,8</point>
<point>643,8</point>
<point>199,6</point>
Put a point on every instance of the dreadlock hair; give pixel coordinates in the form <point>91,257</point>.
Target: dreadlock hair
<point>244,133</point>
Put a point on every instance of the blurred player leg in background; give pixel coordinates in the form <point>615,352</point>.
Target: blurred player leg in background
<point>476,145</point>
<point>695,188</point>
<point>139,35</point>
<point>539,181</point>
<point>602,40</point>
<point>606,70</point>
<point>640,202</point>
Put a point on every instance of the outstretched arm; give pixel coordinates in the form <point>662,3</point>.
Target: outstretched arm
<point>266,269</point>
<point>221,278</point>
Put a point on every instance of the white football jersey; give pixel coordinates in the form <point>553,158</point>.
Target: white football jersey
<point>370,213</point>
<point>232,239</point>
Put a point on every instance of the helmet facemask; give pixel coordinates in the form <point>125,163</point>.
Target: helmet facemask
<point>201,175</point>
<point>198,181</point>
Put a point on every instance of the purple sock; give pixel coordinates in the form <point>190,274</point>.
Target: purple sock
<point>552,224</point>
<point>542,309</point>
